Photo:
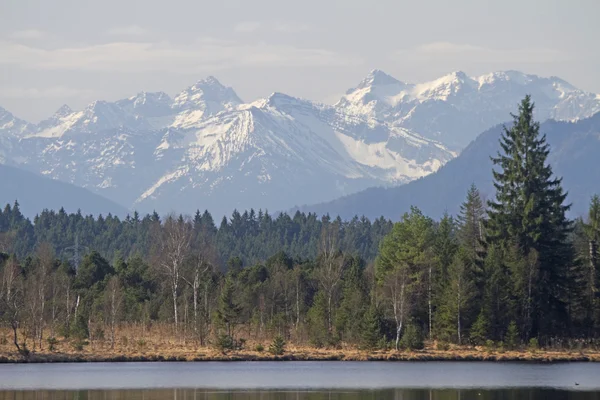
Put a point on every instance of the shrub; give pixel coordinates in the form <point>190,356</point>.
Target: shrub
<point>277,347</point>
<point>99,334</point>
<point>534,345</point>
<point>443,346</point>
<point>501,347</point>
<point>512,336</point>
<point>79,344</point>
<point>52,342</point>
<point>79,330</point>
<point>489,345</point>
<point>259,348</point>
<point>24,351</point>
<point>412,338</point>
<point>384,344</point>
<point>224,343</point>
<point>141,343</point>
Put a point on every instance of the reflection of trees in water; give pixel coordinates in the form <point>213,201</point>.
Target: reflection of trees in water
<point>395,394</point>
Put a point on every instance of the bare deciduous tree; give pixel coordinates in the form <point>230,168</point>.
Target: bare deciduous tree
<point>112,303</point>
<point>11,297</point>
<point>172,246</point>
<point>399,286</point>
<point>331,268</point>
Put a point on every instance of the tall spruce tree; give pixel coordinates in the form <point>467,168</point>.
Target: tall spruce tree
<point>529,212</point>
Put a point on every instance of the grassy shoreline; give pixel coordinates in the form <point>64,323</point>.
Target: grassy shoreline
<point>303,354</point>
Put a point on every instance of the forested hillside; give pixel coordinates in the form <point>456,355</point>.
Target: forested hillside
<point>504,273</point>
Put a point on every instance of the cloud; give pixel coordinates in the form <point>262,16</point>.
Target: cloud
<point>277,26</point>
<point>27,34</point>
<point>290,27</point>
<point>131,30</point>
<point>247,27</point>
<point>446,51</point>
<point>203,54</point>
<point>44,93</point>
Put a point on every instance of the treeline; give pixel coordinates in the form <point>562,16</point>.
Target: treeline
<point>510,272</point>
<point>251,236</point>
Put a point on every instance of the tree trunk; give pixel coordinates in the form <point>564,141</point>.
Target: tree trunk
<point>297,305</point>
<point>174,293</point>
<point>458,307</point>
<point>195,288</point>
<point>429,301</point>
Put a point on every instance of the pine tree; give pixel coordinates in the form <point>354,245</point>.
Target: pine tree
<point>471,235</point>
<point>371,332</point>
<point>228,311</point>
<point>529,211</point>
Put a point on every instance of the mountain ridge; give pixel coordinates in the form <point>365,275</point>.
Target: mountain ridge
<point>205,148</point>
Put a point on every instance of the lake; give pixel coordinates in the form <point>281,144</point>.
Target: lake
<point>301,380</point>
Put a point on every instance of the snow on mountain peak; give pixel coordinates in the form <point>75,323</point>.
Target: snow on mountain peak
<point>63,111</point>
<point>11,125</point>
<point>378,77</point>
<point>455,108</point>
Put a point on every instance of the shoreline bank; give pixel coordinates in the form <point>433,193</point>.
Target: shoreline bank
<point>208,355</point>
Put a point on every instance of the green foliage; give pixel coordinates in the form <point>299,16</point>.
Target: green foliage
<point>277,347</point>
<point>224,343</point>
<point>93,269</point>
<point>511,339</point>
<point>52,342</point>
<point>443,346</point>
<point>412,338</point>
<point>534,345</point>
<point>372,329</point>
<point>528,213</point>
<point>405,245</point>
<point>479,330</point>
<point>229,310</point>
<point>79,330</point>
<point>259,348</point>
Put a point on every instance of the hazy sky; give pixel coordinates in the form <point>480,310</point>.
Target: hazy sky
<point>76,51</point>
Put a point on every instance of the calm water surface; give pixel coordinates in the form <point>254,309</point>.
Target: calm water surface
<point>301,380</point>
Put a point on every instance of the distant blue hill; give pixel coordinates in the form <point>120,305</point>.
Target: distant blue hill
<point>35,193</point>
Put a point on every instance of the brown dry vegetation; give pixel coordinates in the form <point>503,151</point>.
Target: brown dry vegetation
<point>137,343</point>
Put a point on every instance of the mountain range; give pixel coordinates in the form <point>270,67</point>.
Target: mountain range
<point>574,150</point>
<point>205,148</point>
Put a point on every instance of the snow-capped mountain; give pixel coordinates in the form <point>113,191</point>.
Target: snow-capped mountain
<point>283,150</point>
<point>205,148</point>
<point>11,129</point>
<point>455,108</point>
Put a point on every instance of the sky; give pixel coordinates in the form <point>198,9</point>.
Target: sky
<point>77,51</point>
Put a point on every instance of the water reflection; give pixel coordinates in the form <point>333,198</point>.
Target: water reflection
<point>395,394</point>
